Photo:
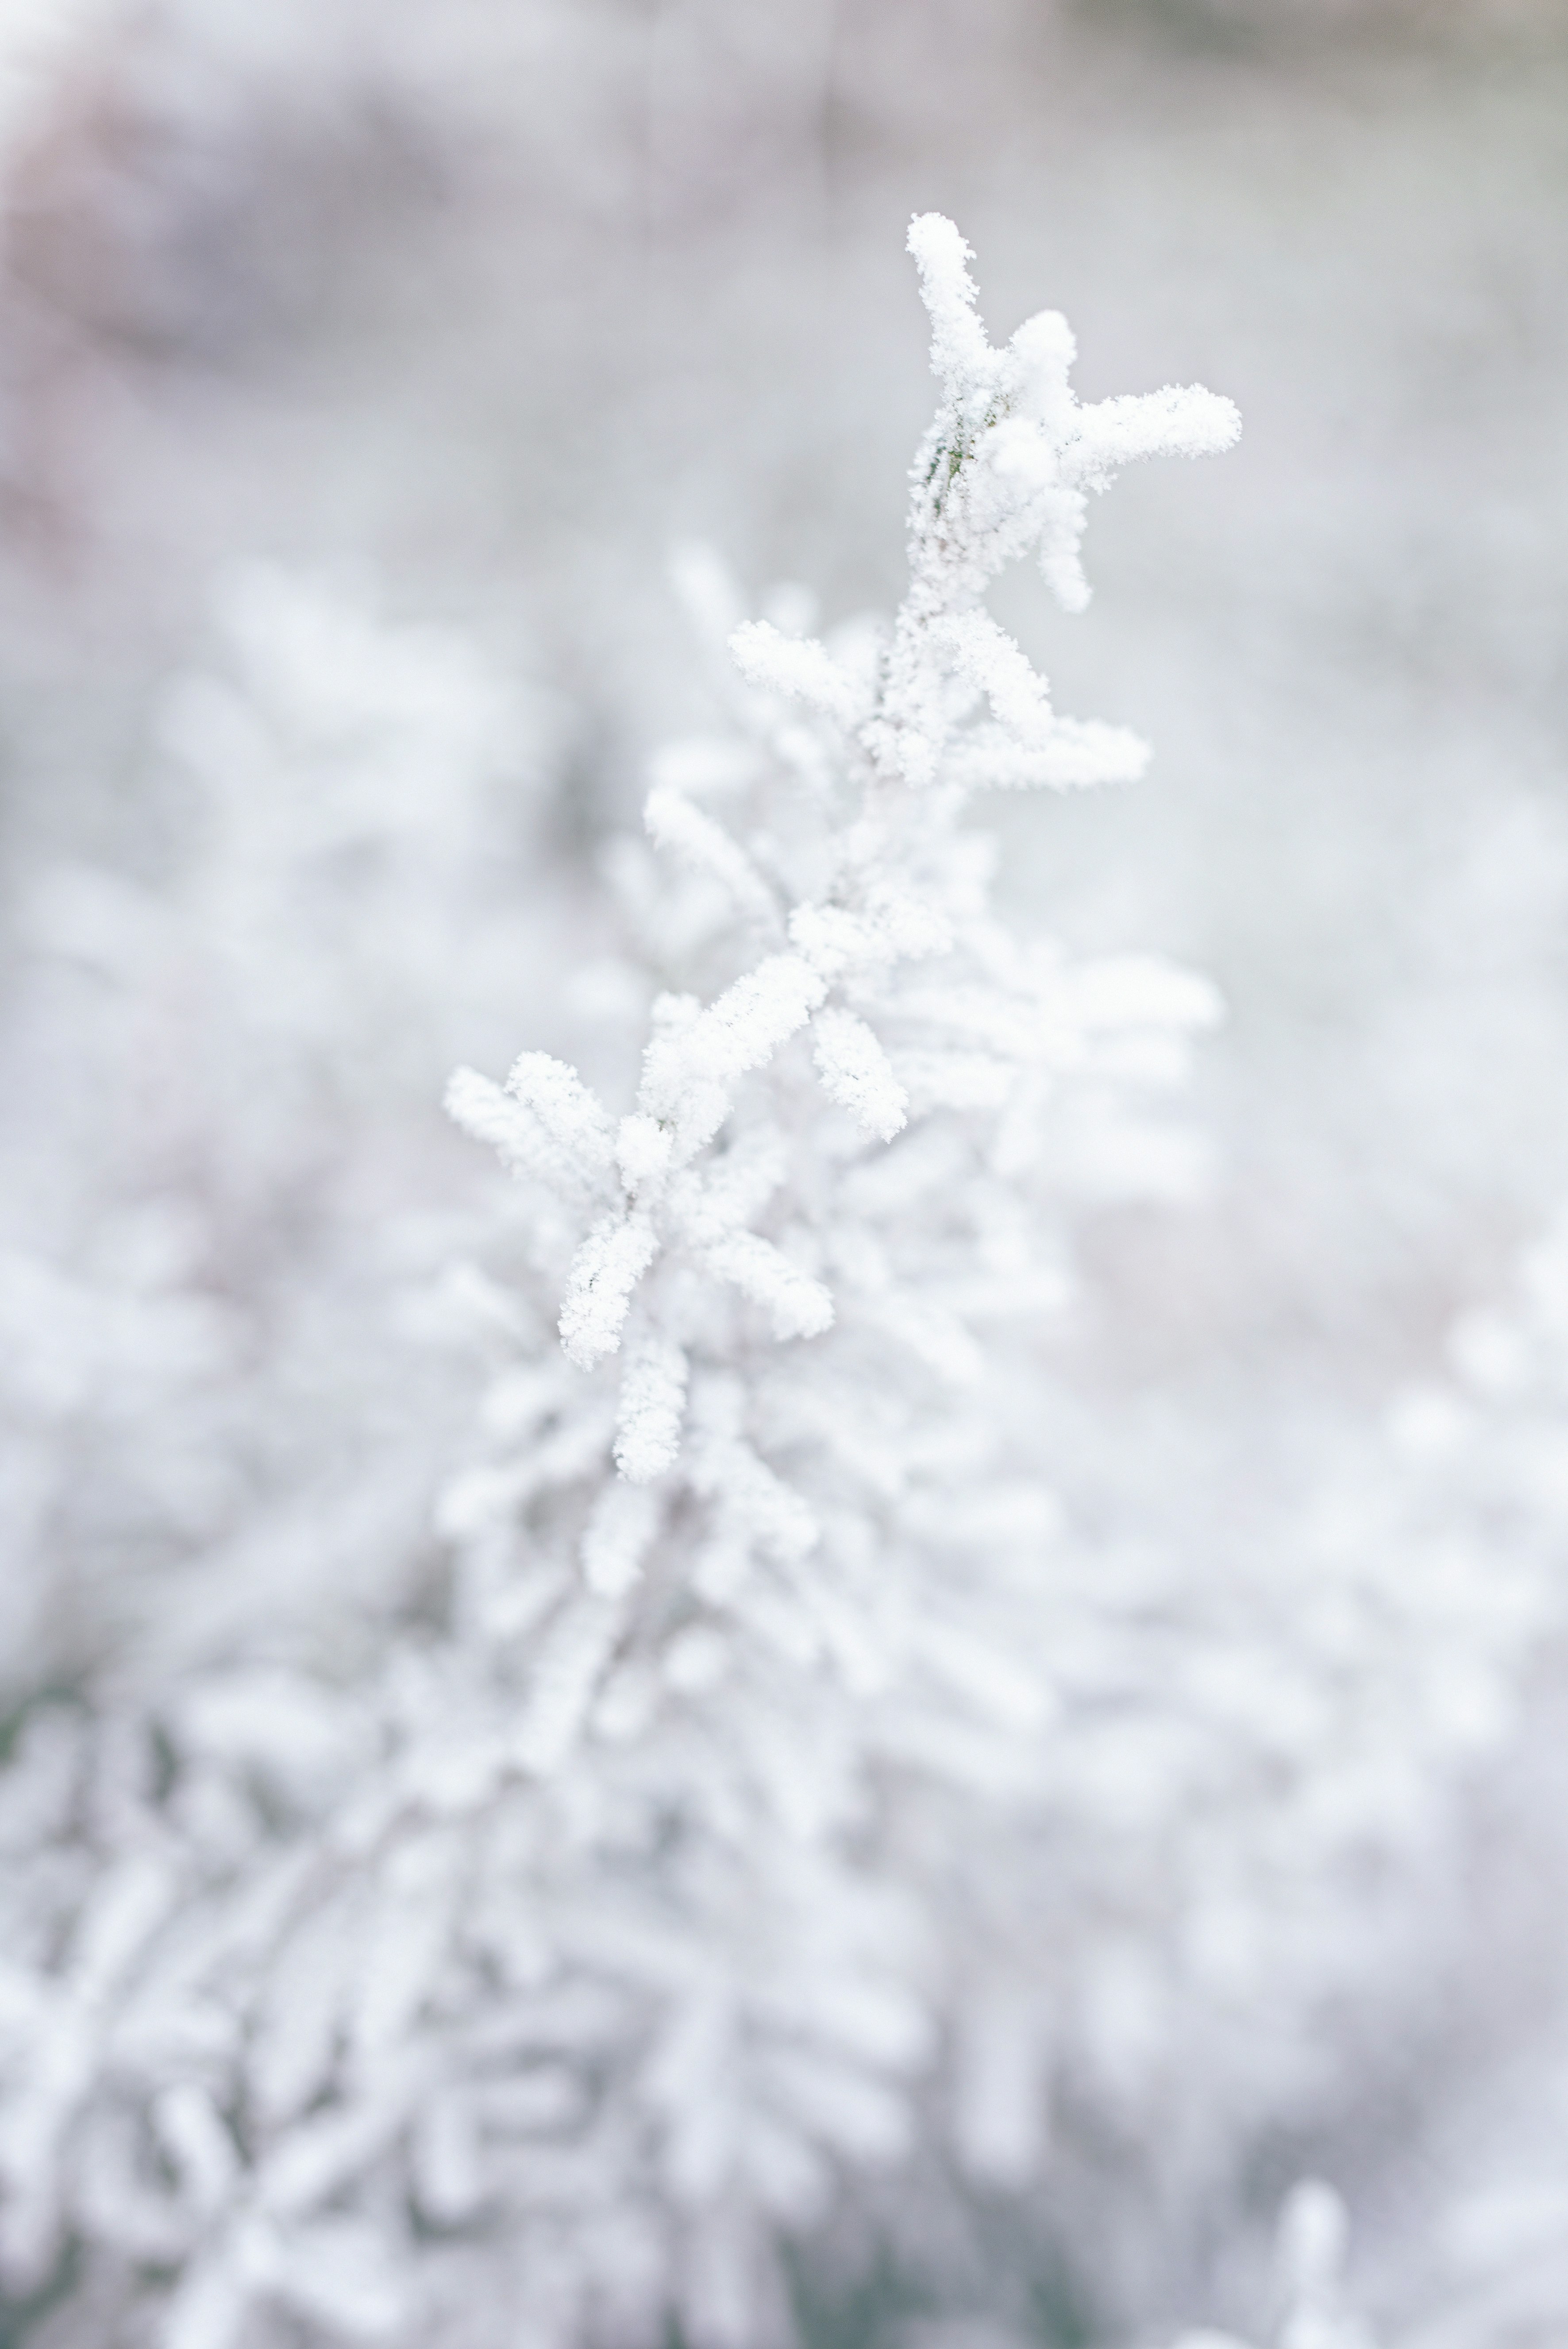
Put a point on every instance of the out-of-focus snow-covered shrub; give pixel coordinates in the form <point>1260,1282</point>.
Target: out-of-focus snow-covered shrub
<point>224,1135</point>
<point>1485,1444</point>
<point>1477,1502</point>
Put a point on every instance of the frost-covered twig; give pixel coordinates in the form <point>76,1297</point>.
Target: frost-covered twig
<point>542,1983</point>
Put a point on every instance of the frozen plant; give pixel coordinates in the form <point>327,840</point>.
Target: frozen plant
<point>540,1985</point>
<point>1370,1894</point>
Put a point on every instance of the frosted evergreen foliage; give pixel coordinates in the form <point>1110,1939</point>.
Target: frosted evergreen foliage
<point>535,1984</point>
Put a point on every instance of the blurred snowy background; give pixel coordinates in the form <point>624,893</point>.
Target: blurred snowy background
<point>359,366</point>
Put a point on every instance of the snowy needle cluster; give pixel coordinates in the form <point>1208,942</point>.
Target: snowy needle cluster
<point>538,1983</point>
